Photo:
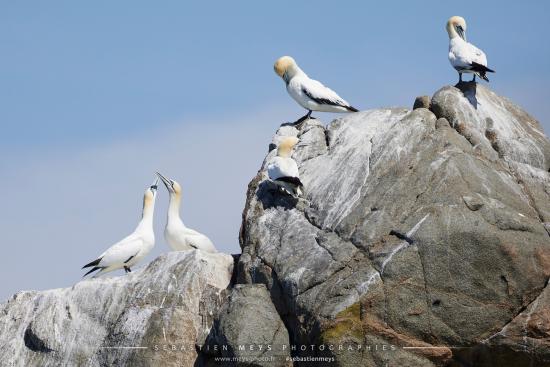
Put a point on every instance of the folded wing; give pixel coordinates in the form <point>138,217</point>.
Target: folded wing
<point>317,92</point>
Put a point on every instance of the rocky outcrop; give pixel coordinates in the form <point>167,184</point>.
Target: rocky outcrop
<point>423,237</point>
<point>250,330</point>
<point>158,316</point>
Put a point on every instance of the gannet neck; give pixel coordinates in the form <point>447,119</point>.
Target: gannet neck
<point>295,71</point>
<point>451,31</point>
<point>146,222</point>
<point>284,153</point>
<point>284,149</point>
<point>174,208</point>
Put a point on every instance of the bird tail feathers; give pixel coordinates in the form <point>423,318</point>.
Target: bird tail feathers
<point>93,263</point>
<point>481,68</point>
<point>92,270</point>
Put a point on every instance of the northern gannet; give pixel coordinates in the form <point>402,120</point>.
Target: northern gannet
<point>309,93</point>
<point>178,236</point>
<point>283,169</point>
<point>465,57</point>
<point>129,251</point>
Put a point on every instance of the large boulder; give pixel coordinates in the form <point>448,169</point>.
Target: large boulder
<point>158,316</point>
<point>422,234</point>
<point>250,330</point>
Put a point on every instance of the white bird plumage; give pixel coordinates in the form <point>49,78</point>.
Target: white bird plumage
<point>133,248</point>
<point>178,236</point>
<point>463,56</point>
<point>283,169</point>
<point>310,94</point>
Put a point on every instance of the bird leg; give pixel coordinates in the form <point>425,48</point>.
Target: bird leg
<point>474,78</point>
<point>127,269</point>
<point>301,120</point>
<point>460,77</point>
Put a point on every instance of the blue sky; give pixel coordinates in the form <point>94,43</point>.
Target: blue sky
<point>95,96</point>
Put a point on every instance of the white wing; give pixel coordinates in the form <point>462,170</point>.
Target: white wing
<point>282,167</point>
<point>321,94</point>
<point>122,251</point>
<point>197,240</point>
<point>202,242</point>
<point>462,54</point>
<point>477,55</point>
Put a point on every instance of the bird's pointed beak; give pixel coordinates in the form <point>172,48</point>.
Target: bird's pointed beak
<point>461,32</point>
<point>286,78</point>
<point>165,181</point>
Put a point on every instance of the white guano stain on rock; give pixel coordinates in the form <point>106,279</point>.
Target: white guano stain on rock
<point>78,323</point>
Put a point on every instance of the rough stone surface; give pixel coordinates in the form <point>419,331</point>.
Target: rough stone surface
<point>423,228</point>
<point>422,102</point>
<point>172,302</point>
<point>250,328</point>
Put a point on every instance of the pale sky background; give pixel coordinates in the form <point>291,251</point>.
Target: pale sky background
<point>95,96</point>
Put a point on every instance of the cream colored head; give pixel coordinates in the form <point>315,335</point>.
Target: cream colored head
<point>456,27</point>
<point>286,68</point>
<point>150,195</point>
<point>285,146</point>
<point>172,186</point>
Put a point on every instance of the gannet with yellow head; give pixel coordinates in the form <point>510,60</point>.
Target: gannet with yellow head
<point>309,93</point>
<point>283,169</point>
<point>178,236</point>
<point>132,249</point>
<point>465,57</point>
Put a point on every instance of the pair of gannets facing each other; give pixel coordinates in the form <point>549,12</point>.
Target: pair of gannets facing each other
<point>283,169</point>
<point>178,236</point>
<point>465,57</point>
<point>132,249</point>
<point>310,94</point>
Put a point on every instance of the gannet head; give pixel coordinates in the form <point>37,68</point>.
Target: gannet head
<point>150,194</point>
<point>456,26</point>
<point>285,146</point>
<point>286,68</point>
<point>172,186</point>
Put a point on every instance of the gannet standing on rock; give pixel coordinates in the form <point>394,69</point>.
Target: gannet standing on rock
<point>309,93</point>
<point>178,236</point>
<point>129,251</point>
<point>465,57</point>
<point>283,169</point>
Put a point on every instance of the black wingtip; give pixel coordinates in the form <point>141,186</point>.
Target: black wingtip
<point>352,109</point>
<point>93,263</point>
<point>481,68</point>
<point>91,271</point>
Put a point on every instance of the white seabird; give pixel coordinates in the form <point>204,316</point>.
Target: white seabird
<point>309,93</point>
<point>283,169</point>
<point>465,57</point>
<point>178,236</point>
<point>129,251</point>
